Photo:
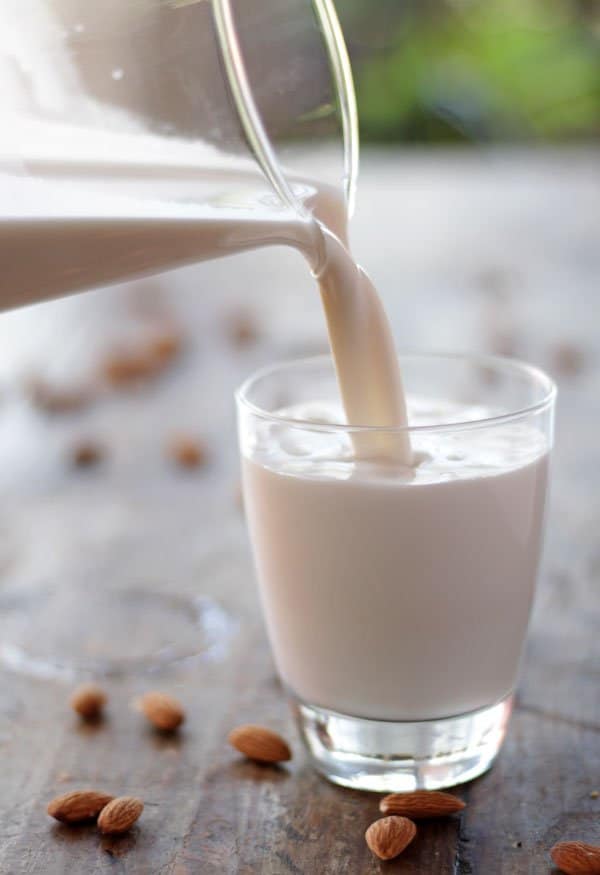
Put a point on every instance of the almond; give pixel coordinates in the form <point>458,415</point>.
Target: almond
<point>129,368</point>
<point>163,711</point>
<point>421,804</point>
<point>187,452</point>
<point>576,858</point>
<point>568,359</point>
<point>52,399</point>
<point>120,814</point>
<point>388,836</point>
<point>242,329</point>
<point>78,805</point>
<point>260,744</point>
<point>86,453</point>
<point>165,345</point>
<point>88,701</point>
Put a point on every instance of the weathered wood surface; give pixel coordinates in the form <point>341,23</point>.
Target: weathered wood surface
<point>498,252</point>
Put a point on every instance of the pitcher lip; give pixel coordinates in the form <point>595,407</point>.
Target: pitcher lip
<point>509,365</point>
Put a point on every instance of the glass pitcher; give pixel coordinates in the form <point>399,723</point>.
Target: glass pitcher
<point>136,136</point>
<point>140,136</point>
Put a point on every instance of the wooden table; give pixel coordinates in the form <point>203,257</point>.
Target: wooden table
<point>134,558</point>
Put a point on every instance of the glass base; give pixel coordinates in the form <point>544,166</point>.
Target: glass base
<point>112,634</point>
<point>387,756</point>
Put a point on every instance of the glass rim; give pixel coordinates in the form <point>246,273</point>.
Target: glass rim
<point>483,360</point>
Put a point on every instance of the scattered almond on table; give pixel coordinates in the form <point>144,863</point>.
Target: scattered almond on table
<point>420,804</point>
<point>386,837</point>
<point>260,744</point>
<point>187,452</point>
<point>87,453</point>
<point>576,858</point>
<point>163,711</point>
<point>88,700</point>
<point>78,805</point>
<point>568,359</point>
<point>242,329</point>
<point>144,360</point>
<point>54,399</point>
<point>120,814</point>
<point>389,836</point>
<point>165,345</point>
<point>128,368</point>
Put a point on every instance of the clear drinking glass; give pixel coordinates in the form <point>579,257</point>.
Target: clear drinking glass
<point>126,126</point>
<point>397,599</point>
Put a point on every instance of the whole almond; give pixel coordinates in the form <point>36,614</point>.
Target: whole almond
<point>260,744</point>
<point>388,836</point>
<point>120,814</point>
<point>54,399</point>
<point>78,805</point>
<point>187,452</point>
<point>576,858</point>
<point>123,369</point>
<point>421,804</point>
<point>165,345</point>
<point>86,453</point>
<point>242,329</point>
<point>163,711</point>
<point>88,701</point>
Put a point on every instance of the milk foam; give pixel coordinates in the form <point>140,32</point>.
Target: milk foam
<point>438,456</point>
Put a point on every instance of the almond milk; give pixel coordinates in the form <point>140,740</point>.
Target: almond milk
<point>397,593</point>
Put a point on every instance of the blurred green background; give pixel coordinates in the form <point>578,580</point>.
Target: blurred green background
<point>475,70</point>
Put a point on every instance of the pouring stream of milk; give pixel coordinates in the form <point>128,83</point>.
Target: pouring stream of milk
<point>365,358</point>
<point>103,200</point>
<point>71,234</point>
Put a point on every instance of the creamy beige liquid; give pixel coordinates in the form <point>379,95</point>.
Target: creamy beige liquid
<point>364,354</point>
<point>70,233</point>
<point>390,593</point>
<point>89,224</point>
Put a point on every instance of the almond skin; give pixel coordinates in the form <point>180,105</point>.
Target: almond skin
<point>576,858</point>
<point>52,399</point>
<point>165,345</point>
<point>120,815</point>
<point>388,836</point>
<point>421,804</point>
<point>87,453</point>
<point>88,701</point>
<point>78,805</point>
<point>187,452</point>
<point>260,744</point>
<point>163,711</point>
<point>129,368</point>
<point>242,329</point>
